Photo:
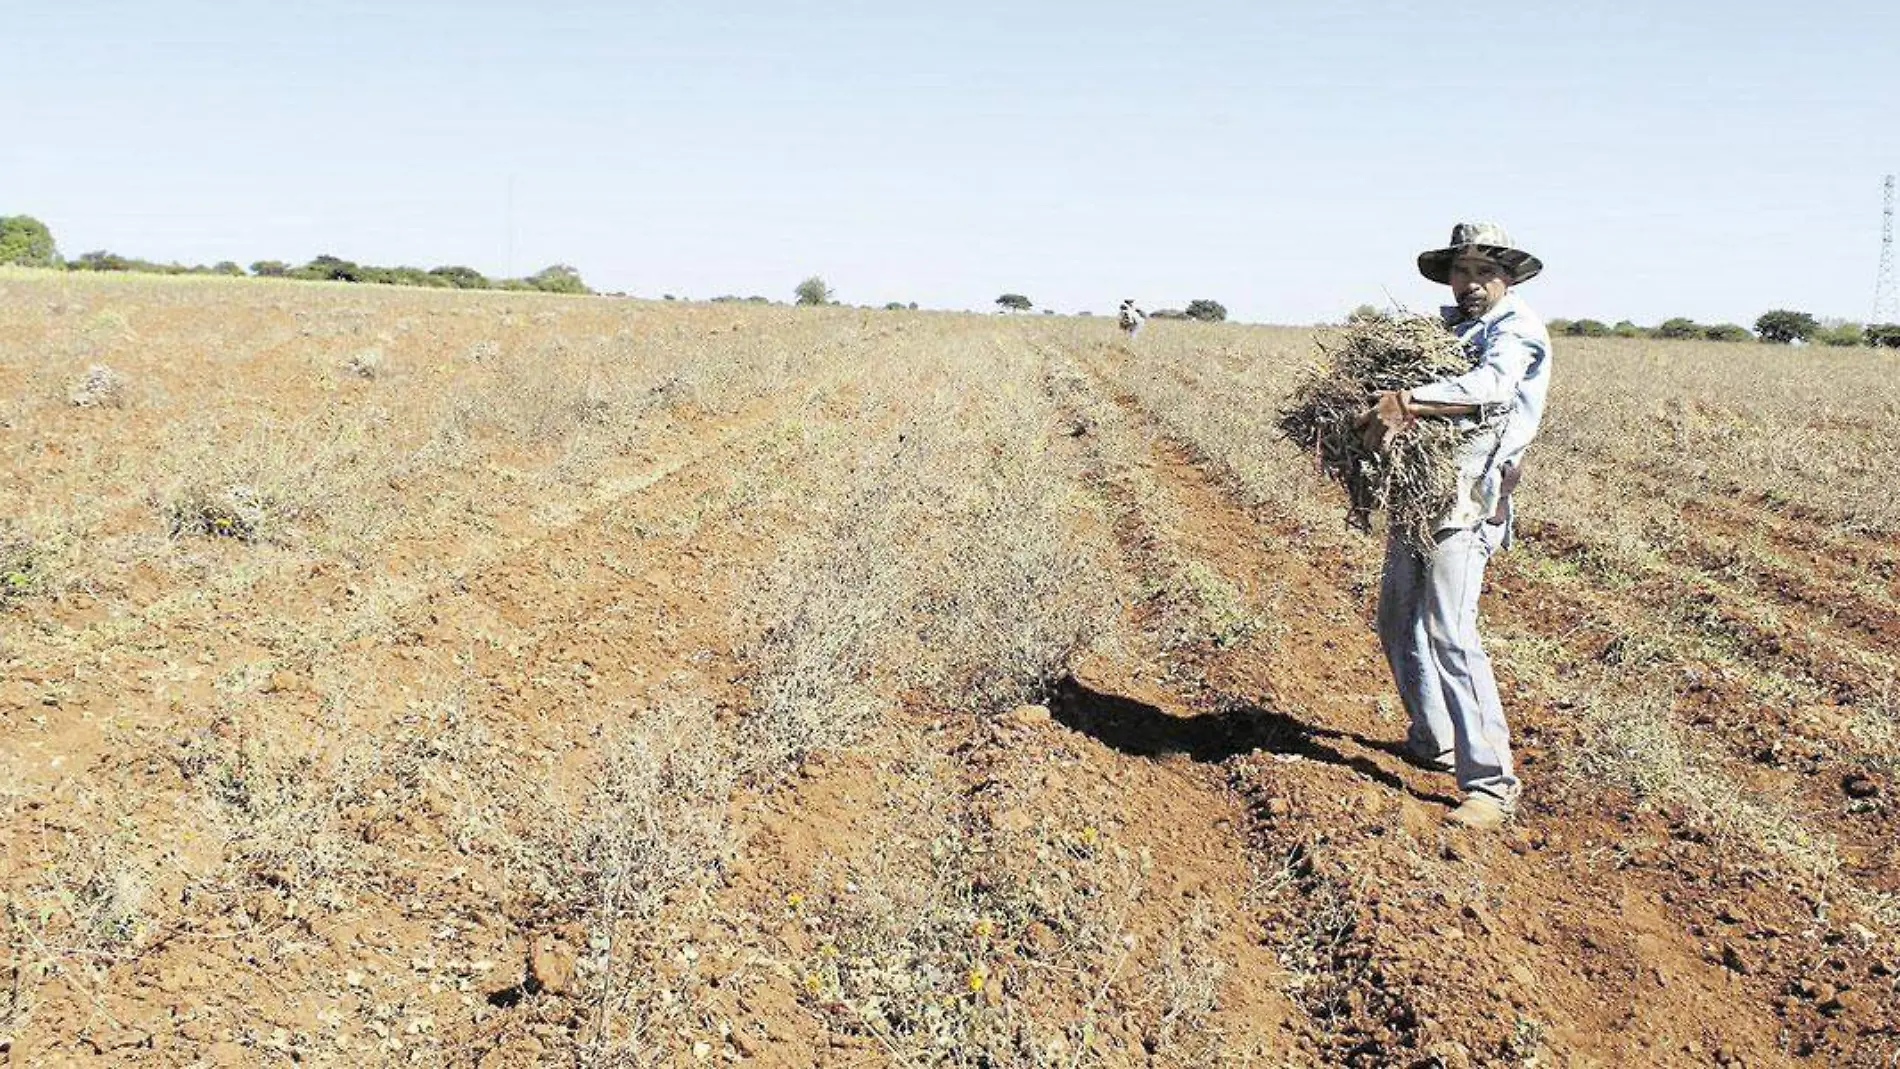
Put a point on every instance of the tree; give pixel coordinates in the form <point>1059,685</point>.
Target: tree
<point>813,291</point>
<point>270,269</point>
<point>1728,332</point>
<point>558,278</point>
<point>1206,311</point>
<point>25,240</point>
<point>1883,335</point>
<point>1679,327</point>
<point>462,278</point>
<point>1782,326</point>
<point>227,267</point>
<point>1626,329</point>
<point>1587,328</point>
<point>100,260</point>
<point>327,268</point>
<point>1014,302</point>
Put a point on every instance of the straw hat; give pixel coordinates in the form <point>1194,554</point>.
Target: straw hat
<point>1488,239</point>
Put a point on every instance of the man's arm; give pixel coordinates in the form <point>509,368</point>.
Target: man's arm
<point>1493,382</point>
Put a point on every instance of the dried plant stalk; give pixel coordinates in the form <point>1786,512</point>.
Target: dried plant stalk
<point>1416,479</point>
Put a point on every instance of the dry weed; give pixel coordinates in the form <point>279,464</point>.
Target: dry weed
<point>1636,745</point>
<point>100,387</point>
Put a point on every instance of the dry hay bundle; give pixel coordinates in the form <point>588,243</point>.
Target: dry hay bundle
<point>1414,482</point>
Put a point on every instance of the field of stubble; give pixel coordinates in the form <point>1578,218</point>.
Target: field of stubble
<point>398,677</point>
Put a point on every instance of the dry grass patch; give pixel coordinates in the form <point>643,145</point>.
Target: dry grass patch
<point>1635,744</point>
<point>947,566</point>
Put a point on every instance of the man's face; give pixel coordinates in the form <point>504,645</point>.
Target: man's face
<point>1478,283</point>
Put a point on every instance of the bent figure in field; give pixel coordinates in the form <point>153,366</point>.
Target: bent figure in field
<point>1130,318</point>
<point>1428,602</point>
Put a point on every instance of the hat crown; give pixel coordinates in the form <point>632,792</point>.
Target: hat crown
<point>1480,234</point>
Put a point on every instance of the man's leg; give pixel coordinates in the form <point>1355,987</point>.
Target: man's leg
<point>1403,593</point>
<point>1470,691</point>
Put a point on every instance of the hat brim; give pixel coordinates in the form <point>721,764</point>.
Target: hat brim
<point>1436,264</point>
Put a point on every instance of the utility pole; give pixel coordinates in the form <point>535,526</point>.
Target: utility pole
<point>1886,300</point>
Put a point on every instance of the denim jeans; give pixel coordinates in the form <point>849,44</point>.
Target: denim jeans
<point>1428,624</point>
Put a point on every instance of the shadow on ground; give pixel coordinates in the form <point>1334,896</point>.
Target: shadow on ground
<point>1142,730</point>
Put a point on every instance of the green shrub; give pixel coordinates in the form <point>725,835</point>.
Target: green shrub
<point>812,291</point>
<point>558,278</point>
<point>1588,328</point>
<point>1679,327</point>
<point>1841,334</point>
<point>462,278</point>
<point>1728,332</point>
<point>1626,329</point>
<point>22,569</point>
<point>1206,311</point>
<point>1883,335</point>
<point>100,260</point>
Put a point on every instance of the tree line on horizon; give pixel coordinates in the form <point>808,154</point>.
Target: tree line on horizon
<point>1780,326</point>
<point>27,242</point>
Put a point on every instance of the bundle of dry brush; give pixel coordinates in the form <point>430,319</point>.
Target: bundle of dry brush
<point>1414,481</point>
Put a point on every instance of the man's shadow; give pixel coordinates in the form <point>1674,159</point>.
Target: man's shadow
<point>1142,730</point>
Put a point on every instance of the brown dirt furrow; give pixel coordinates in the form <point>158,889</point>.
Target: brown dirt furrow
<point>1591,957</point>
<point>1729,511</point>
<point>1784,710</point>
<point>490,686</point>
<point>1102,900</point>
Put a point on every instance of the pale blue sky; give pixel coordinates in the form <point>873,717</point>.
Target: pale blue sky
<point>1703,159</point>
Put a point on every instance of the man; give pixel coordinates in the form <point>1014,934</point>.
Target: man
<point>1130,318</point>
<point>1428,602</point>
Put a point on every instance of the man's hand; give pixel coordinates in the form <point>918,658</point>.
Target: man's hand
<point>1391,412</point>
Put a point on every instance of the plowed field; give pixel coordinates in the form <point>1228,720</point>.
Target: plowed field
<point>399,677</point>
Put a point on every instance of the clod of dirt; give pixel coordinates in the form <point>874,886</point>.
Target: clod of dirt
<point>550,965</point>
<point>1030,715</point>
<point>1860,785</point>
<point>1733,959</point>
<point>1039,941</point>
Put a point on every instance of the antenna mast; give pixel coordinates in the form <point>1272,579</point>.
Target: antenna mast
<point>1886,300</point>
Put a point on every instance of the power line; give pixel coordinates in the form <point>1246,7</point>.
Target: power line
<point>1886,299</point>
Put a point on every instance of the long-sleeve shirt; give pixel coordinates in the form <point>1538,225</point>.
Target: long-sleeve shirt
<point>1510,381</point>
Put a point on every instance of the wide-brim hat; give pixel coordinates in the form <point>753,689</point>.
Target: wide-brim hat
<point>1488,239</point>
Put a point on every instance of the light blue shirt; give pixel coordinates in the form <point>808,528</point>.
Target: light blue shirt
<point>1509,382</point>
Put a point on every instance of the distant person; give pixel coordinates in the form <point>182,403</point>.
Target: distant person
<point>1130,318</point>
<point>1428,602</point>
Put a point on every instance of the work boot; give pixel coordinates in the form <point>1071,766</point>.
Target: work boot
<point>1480,812</point>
